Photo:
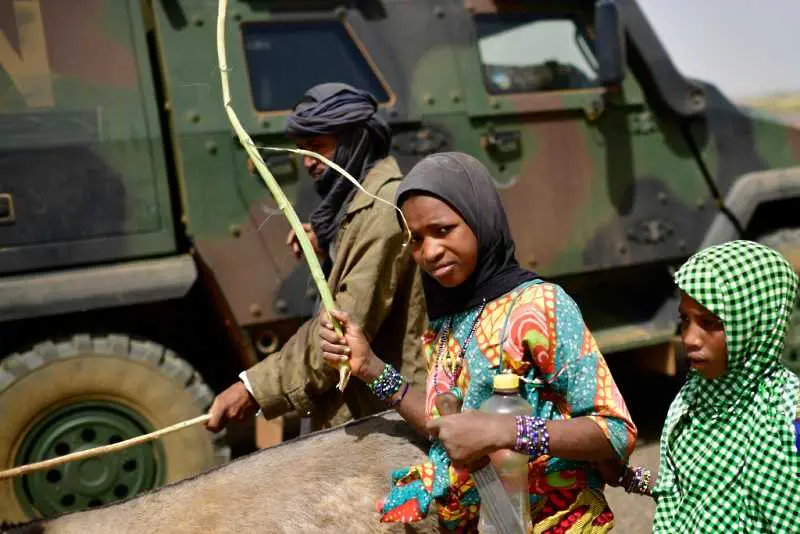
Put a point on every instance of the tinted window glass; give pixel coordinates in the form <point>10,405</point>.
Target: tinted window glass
<point>284,59</point>
<point>520,53</point>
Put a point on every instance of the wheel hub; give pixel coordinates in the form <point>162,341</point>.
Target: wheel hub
<point>93,481</point>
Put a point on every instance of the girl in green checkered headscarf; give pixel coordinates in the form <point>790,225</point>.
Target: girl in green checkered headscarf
<point>729,450</point>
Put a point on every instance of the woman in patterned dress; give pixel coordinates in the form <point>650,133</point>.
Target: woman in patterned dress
<point>488,315</point>
<point>730,448</point>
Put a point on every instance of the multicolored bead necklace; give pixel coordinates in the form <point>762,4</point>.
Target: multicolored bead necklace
<point>442,349</point>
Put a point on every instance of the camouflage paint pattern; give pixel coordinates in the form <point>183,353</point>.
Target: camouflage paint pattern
<point>592,186</point>
<point>114,147</point>
<point>621,191</point>
<point>82,157</point>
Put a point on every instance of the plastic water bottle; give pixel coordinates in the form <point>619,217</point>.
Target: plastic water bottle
<point>511,466</point>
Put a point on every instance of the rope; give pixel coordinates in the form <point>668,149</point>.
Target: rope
<point>105,449</point>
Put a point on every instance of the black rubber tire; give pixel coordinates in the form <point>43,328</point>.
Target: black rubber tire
<point>141,375</point>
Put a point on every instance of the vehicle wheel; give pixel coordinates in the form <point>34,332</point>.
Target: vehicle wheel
<point>787,242</point>
<point>89,391</point>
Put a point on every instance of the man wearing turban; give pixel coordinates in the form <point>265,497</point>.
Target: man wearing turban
<point>369,272</point>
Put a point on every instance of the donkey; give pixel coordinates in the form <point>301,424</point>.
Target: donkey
<point>328,481</point>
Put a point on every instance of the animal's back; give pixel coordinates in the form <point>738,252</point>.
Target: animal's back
<point>326,482</point>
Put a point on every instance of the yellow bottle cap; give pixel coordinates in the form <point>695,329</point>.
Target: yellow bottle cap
<point>508,381</point>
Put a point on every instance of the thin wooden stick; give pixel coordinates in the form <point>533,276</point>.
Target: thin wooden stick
<point>280,198</point>
<point>98,451</point>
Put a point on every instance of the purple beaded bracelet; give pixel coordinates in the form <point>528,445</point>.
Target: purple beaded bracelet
<point>640,481</point>
<point>533,438</point>
<point>387,384</point>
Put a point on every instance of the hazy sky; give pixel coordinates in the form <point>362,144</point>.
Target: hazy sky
<point>746,47</point>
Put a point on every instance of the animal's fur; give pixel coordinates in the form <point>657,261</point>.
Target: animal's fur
<point>326,482</point>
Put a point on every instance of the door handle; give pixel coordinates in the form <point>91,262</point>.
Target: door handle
<point>502,142</point>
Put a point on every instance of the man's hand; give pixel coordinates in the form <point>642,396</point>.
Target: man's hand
<point>294,244</point>
<point>470,436</point>
<point>352,347</point>
<point>233,403</point>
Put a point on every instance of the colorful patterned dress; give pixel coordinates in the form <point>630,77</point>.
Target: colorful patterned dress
<point>546,342</point>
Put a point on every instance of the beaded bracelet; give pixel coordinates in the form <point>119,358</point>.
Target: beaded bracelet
<point>533,438</point>
<point>640,481</point>
<point>399,399</point>
<point>387,384</point>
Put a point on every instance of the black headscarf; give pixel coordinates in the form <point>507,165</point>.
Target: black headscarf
<point>465,185</point>
<point>362,138</point>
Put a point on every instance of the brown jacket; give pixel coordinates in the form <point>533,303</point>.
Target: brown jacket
<point>374,280</point>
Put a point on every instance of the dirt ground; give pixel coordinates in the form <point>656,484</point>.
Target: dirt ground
<point>634,513</point>
<point>648,397</point>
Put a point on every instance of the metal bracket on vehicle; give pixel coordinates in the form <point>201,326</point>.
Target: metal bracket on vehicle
<point>7,214</point>
<point>137,282</point>
<point>595,108</point>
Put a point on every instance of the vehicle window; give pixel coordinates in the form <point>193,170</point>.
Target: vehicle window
<point>284,59</point>
<point>522,53</point>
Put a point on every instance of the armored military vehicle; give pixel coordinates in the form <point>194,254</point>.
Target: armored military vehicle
<point>142,266</point>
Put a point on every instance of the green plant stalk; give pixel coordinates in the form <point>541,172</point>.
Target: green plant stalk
<point>337,168</point>
<point>280,198</point>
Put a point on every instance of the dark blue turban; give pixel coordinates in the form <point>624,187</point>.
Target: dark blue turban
<point>362,138</point>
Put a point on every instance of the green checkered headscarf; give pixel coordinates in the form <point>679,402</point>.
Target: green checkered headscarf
<point>729,461</point>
